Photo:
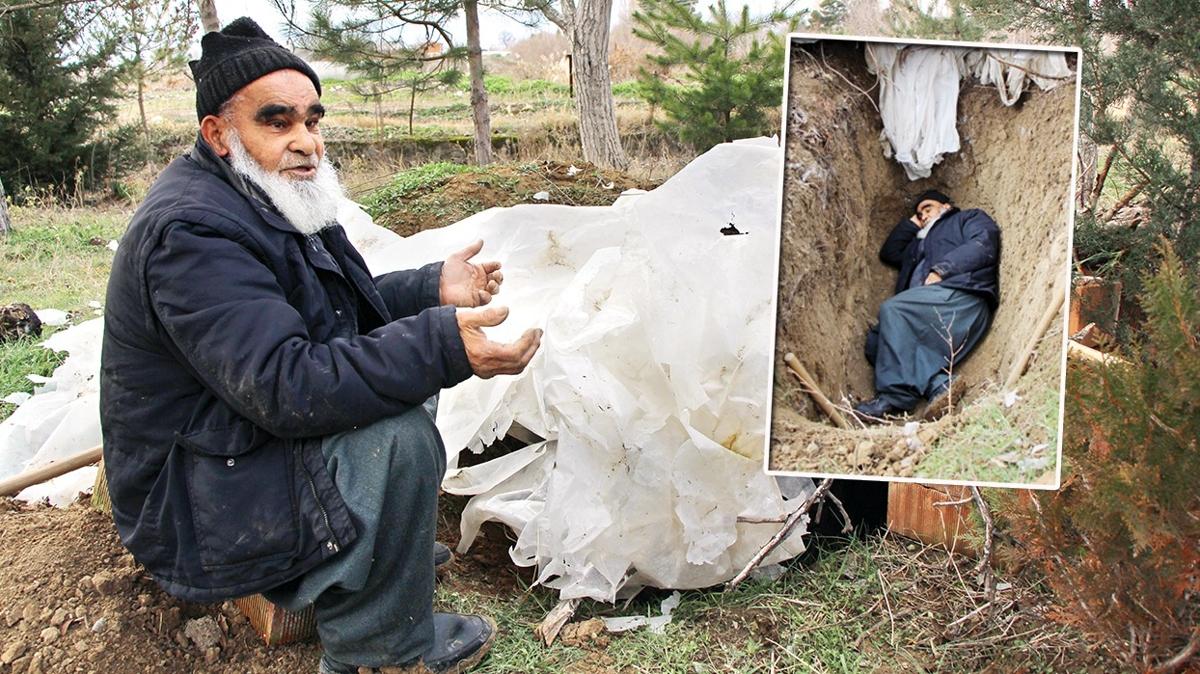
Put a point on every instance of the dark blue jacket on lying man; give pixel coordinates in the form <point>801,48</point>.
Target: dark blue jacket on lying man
<point>963,247</point>
<point>232,343</point>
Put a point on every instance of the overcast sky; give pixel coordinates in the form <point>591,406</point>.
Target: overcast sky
<point>492,25</point>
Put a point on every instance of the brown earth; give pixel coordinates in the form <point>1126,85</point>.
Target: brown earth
<point>842,197</point>
<point>73,600</point>
<point>458,196</point>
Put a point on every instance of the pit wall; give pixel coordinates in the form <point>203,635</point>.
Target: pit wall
<point>842,197</point>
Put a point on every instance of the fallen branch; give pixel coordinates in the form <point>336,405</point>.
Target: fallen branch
<point>813,390</point>
<point>788,524</point>
<point>985,560</point>
<point>13,485</point>
<point>1035,338</point>
<point>1181,658</point>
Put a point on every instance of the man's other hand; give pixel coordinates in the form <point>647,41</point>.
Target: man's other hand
<point>933,277</point>
<point>489,358</point>
<point>468,284</point>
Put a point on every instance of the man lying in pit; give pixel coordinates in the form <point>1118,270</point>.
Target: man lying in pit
<point>267,405</point>
<point>946,292</point>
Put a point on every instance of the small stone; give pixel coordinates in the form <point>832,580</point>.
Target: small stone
<point>60,616</point>
<point>104,582</point>
<point>144,600</point>
<point>12,618</point>
<point>21,665</point>
<point>35,664</point>
<point>14,650</point>
<point>181,640</point>
<point>45,614</point>
<point>211,654</point>
<point>80,613</point>
<point>86,584</point>
<point>29,613</point>
<point>49,635</point>
<point>907,471</point>
<point>80,646</point>
<point>895,455</point>
<point>203,632</point>
<point>100,625</point>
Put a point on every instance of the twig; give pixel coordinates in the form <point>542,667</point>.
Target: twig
<point>847,525</point>
<point>1018,369</point>
<point>1182,657</point>
<point>985,561</point>
<point>813,390</point>
<point>791,522</point>
<point>950,504</point>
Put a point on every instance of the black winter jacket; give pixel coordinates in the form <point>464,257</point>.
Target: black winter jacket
<point>963,248</point>
<point>232,344</point>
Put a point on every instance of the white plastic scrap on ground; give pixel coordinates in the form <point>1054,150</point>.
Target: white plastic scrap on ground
<point>651,386</point>
<point>918,93</point>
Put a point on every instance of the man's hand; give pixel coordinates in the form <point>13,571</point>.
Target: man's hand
<point>916,220</point>
<point>933,277</point>
<point>467,284</point>
<point>489,358</point>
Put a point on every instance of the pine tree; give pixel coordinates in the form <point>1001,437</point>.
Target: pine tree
<point>829,16</point>
<point>56,88</point>
<point>154,36</point>
<point>1141,105</point>
<point>729,74</point>
<point>1120,541</point>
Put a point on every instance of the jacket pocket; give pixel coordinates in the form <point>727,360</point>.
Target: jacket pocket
<point>241,491</point>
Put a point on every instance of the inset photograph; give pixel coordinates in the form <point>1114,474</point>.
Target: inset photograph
<point>924,260</point>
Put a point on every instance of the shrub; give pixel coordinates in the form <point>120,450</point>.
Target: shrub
<point>1120,541</point>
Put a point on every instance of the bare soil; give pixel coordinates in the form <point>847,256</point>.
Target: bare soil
<point>464,194</point>
<point>73,600</point>
<point>842,197</point>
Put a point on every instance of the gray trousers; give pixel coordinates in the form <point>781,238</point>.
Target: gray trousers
<point>922,333</point>
<point>374,599</point>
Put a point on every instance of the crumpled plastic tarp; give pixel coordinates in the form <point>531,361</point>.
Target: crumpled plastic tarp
<point>651,386</point>
<point>918,93</point>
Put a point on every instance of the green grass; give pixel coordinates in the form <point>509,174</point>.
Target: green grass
<point>409,182</point>
<point>20,358</point>
<point>874,604</point>
<point>988,430</point>
<point>48,261</point>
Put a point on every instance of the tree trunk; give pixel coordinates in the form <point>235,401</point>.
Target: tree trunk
<point>479,101</point>
<point>593,87</point>
<point>208,15</point>
<point>142,104</point>
<point>5,223</point>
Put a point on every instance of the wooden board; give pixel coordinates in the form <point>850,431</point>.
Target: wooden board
<point>912,513</point>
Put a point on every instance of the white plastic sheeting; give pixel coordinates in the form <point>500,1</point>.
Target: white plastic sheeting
<point>918,93</point>
<point>651,385</point>
<point>60,419</point>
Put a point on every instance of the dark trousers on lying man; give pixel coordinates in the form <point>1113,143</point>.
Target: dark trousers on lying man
<point>922,334</point>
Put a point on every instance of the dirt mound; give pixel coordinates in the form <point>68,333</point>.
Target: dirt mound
<point>447,201</point>
<point>842,197</point>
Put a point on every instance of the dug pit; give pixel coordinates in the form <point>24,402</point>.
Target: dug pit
<point>842,197</point>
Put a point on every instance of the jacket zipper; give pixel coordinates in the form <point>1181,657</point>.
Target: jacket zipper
<point>331,544</point>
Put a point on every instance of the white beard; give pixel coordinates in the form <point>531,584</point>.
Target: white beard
<point>309,205</point>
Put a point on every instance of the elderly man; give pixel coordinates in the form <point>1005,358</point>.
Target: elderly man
<point>946,291</point>
<point>267,405</point>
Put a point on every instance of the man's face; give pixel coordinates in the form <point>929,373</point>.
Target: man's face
<point>277,117</point>
<point>929,209</point>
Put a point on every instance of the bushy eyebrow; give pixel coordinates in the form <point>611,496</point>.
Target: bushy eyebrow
<point>272,110</point>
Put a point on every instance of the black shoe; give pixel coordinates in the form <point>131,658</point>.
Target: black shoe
<point>874,410</point>
<point>441,555</point>
<point>459,643</point>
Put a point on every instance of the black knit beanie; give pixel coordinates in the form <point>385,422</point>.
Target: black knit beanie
<point>236,56</point>
<point>931,194</point>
